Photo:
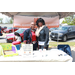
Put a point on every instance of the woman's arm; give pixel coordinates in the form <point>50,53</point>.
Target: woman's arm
<point>47,36</point>
<point>25,37</point>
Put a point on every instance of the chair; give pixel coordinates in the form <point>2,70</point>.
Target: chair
<point>65,48</point>
<point>17,44</point>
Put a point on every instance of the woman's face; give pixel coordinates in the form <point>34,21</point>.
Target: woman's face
<point>32,25</point>
<point>40,24</point>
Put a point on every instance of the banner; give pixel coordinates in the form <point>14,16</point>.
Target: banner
<point>24,21</point>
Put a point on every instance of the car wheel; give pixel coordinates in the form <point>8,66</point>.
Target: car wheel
<point>21,39</point>
<point>10,31</point>
<point>7,41</point>
<point>64,38</point>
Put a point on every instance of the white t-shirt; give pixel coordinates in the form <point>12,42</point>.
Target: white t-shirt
<point>18,38</point>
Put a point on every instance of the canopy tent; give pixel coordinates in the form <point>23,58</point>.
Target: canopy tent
<point>44,14</point>
<point>24,21</point>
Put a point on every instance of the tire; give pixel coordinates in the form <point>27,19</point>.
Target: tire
<point>64,39</point>
<point>21,39</point>
<point>7,41</point>
<point>10,31</point>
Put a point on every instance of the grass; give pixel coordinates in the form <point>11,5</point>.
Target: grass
<point>54,44</point>
<point>57,43</point>
<point>5,43</point>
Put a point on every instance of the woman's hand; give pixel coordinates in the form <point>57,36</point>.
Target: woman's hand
<point>24,42</point>
<point>44,47</point>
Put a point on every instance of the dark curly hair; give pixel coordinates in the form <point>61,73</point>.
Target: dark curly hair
<point>40,20</point>
<point>17,34</point>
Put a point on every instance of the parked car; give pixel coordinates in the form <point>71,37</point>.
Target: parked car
<point>51,29</point>
<point>11,37</point>
<point>10,29</point>
<point>1,32</point>
<point>63,33</point>
<point>3,28</point>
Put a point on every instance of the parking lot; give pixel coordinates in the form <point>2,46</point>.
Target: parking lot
<point>3,40</point>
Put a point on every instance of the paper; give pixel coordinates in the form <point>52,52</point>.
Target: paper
<point>27,49</point>
<point>42,43</point>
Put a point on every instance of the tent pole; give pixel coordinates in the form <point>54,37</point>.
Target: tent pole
<point>13,26</point>
<point>58,38</point>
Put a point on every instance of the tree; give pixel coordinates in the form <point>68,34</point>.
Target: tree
<point>11,21</point>
<point>1,20</point>
<point>70,20</point>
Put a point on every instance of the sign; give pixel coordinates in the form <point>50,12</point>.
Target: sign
<point>27,49</point>
<point>24,21</point>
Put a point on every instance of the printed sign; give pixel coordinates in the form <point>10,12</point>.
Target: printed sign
<point>24,21</point>
<point>27,49</point>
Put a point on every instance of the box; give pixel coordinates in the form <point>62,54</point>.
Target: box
<point>8,50</point>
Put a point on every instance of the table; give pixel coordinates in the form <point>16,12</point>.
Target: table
<point>53,55</point>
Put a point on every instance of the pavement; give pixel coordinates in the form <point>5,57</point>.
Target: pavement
<point>3,40</point>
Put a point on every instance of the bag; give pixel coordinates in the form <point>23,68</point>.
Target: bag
<point>65,48</point>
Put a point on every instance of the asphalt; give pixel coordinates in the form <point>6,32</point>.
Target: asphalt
<point>3,40</point>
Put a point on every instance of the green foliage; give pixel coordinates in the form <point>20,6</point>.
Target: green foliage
<point>70,20</point>
<point>11,21</point>
<point>1,20</point>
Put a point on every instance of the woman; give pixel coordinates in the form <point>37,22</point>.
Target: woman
<point>17,39</point>
<point>30,37</point>
<point>42,33</point>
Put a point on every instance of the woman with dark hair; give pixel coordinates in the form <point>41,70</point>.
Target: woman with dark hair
<point>30,37</point>
<point>17,41</point>
<point>42,33</point>
<point>17,36</point>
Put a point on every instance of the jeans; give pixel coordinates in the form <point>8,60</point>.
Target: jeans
<point>35,46</point>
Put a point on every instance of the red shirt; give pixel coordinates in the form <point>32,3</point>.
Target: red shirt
<point>33,36</point>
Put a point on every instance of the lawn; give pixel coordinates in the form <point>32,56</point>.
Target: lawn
<point>53,44</point>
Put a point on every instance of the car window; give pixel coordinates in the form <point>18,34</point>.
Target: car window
<point>20,30</point>
<point>70,29</point>
<point>9,28</point>
<point>62,28</point>
<point>15,28</point>
<point>73,28</point>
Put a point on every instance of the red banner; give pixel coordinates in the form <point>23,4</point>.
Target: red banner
<point>24,21</point>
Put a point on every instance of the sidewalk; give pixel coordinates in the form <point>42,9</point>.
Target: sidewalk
<point>7,25</point>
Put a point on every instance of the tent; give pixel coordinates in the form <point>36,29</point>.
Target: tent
<point>41,14</point>
<point>46,14</point>
<point>24,21</point>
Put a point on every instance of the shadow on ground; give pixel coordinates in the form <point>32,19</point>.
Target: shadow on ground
<point>2,38</point>
<point>73,55</point>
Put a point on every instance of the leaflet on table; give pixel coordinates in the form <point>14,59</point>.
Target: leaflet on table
<point>27,49</point>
